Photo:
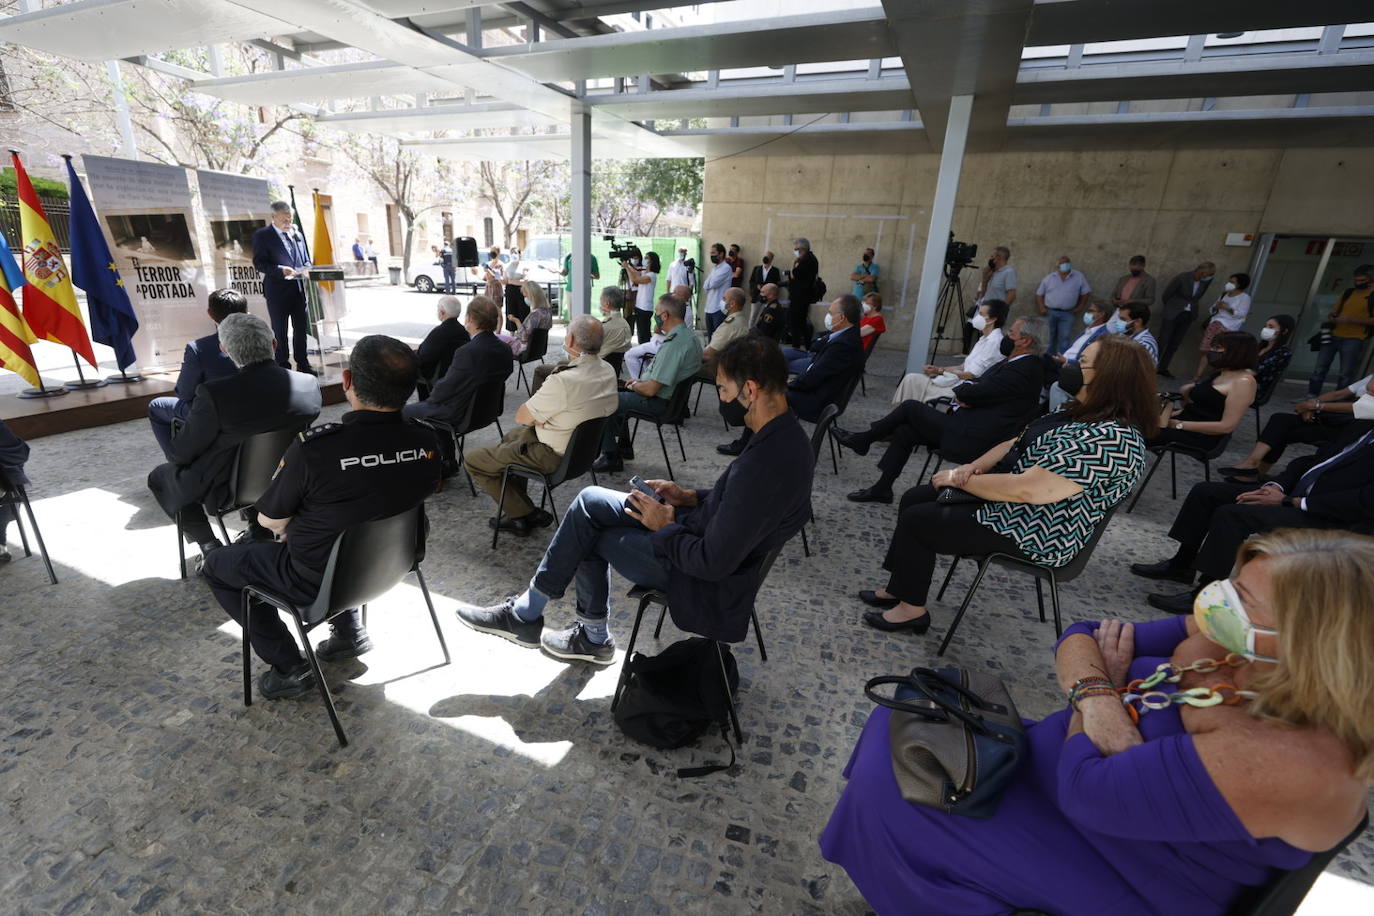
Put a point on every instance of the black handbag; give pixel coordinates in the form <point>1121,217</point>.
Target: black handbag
<point>957,740</point>
<point>953,496</point>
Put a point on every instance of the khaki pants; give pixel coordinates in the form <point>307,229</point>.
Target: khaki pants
<point>520,446</point>
<point>542,373</point>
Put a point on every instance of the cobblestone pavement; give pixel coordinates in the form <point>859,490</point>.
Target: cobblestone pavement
<point>134,780</point>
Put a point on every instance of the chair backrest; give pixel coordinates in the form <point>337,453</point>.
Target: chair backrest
<point>829,414</point>
<point>847,392</point>
<point>255,463</point>
<point>1285,892</point>
<point>487,405</point>
<point>1070,570</point>
<point>367,560</point>
<point>873,345</point>
<point>583,449</point>
<point>676,413</point>
<point>536,346</point>
<point>616,362</point>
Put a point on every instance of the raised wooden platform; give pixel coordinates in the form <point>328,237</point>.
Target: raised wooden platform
<point>33,418</point>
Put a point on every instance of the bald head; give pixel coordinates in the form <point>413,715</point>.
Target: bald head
<point>769,292</point>
<point>734,299</point>
<point>682,292</point>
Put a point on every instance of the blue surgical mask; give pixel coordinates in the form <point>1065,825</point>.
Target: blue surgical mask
<point>829,322</point>
<point>1117,326</point>
<point>1222,618</point>
<point>1088,318</point>
<point>1065,268</point>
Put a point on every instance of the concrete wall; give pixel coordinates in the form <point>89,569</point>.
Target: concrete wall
<point>1099,207</point>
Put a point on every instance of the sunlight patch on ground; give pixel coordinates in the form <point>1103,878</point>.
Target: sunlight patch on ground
<point>80,529</point>
<point>1335,893</point>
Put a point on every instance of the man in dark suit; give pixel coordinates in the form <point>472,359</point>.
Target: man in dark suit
<point>1332,489</point>
<point>485,358</point>
<point>260,397</point>
<point>202,361</point>
<point>436,352</point>
<point>801,290</point>
<point>280,256</point>
<point>762,275</point>
<point>1182,302</point>
<point>987,410</point>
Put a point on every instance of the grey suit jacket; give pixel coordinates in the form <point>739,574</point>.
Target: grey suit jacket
<point>1144,290</point>
<point>1178,295</point>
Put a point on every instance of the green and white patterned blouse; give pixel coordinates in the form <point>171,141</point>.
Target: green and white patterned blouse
<point>1105,458</point>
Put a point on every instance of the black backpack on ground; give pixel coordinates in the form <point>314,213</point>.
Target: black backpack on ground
<point>671,699</point>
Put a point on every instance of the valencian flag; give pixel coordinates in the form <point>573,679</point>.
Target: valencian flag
<point>113,322</point>
<point>49,299</point>
<point>324,248</point>
<point>15,333</point>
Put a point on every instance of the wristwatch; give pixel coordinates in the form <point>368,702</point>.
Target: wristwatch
<point>1178,425</point>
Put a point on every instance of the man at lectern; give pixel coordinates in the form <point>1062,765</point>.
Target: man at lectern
<point>280,255</point>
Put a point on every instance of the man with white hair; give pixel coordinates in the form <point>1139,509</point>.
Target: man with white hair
<point>801,290</point>
<point>260,397</point>
<point>583,389</point>
<point>436,352</point>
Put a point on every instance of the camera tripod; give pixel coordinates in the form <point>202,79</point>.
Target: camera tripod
<point>950,304</point>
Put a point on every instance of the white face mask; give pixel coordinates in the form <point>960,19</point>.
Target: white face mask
<point>1230,287</point>
<point>1268,333</point>
<point>979,322</point>
<point>796,252</point>
<point>868,309</point>
<point>569,354</point>
<point>829,322</point>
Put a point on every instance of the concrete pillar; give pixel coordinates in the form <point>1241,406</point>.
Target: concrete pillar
<point>121,105</point>
<point>581,211</point>
<point>941,217</point>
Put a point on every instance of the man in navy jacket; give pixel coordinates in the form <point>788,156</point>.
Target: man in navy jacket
<point>705,548</point>
<point>485,358</point>
<point>202,361</point>
<point>278,252</point>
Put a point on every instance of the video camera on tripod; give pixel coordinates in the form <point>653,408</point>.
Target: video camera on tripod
<point>949,304</point>
<point>620,252</point>
<point>959,255</point>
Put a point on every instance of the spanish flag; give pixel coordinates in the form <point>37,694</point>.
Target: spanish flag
<point>324,248</point>
<point>15,333</point>
<point>49,299</point>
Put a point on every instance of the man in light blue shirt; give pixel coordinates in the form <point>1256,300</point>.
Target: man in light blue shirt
<point>865,276</point>
<point>1059,297</point>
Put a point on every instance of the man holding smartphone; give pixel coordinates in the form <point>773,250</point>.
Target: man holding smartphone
<point>705,548</point>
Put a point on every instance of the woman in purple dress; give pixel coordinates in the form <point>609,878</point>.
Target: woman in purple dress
<point>1125,809</point>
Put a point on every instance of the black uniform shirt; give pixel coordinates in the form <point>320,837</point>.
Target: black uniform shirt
<point>372,465</point>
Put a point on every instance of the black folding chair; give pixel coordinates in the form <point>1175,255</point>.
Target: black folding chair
<point>255,461</point>
<point>821,433</point>
<point>535,348</point>
<point>648,596</point>
<point>581,454</point>
<point>842,402</point>
<point>674,416</point>
<point>1173,450</point>
<point>366,562</point>
<point>1263,395</point>
<point>616,361</point>
<point>14,495</point>
<point>487,404</point>
<point>864,369</point>
<point>1055,574</point>
<point>1285,891</point>
<point>705,376</point>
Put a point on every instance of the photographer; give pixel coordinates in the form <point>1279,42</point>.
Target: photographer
<point>642,277</point>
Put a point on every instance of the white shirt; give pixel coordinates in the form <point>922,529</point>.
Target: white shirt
<point>678,275</point>
<point>1076,348</point>
<point>644,292</point>
<point>1240,305</point>
<point>1362,409</point>
<point>515,273</point>
<point>716,285</point>
<point>986,353</point>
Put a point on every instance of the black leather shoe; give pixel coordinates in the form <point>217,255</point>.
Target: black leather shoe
<point>1164,570</point>
<point>871,598</point>
<point>1182,603</point>
<point>295,683</point>
<point>917,625</point>
<point>306,369</point>
<point>848,440</point>
<point>540,519</point>
<point>341,646</point>
<point>870,495</point>
<point>520,527</point>
<point>1242,476</point>
<point>731,448</point>
<point>607,464</point>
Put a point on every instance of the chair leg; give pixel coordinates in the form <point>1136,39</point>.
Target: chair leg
<point>319,679</point>
<point>438,631</point>
<point>462,463</point>
<point>499,431</point>
<point>247,614</point>
<point>806,547</point>
<point>19,523</point>
<point>629,651</point>
<point>181,545</point>
<point>758,634</point>
<point>662,612</point>
<point>553,509</point>
<point>1207,469</point>
<point>953,562</point>
<point>496,532</point>
<point>834,452</point>
<point>680,447</point>
<point>1040,598</point>
<point>1145,483</point>
<point>954,624</point>
<point>863,386</point>
<point>634,433</point>
<point>1173,474</point>
<point>222,529</point>
<point>729,697</point>
<point>1054,603</point>
<point>663,444</point>
<point>696,405</point>
<point>37,536</point>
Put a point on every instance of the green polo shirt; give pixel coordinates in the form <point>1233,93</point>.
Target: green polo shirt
<point>679,358</point>
<point>567,265</point>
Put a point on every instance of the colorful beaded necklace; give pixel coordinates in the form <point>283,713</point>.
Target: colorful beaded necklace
<point>1139,696</point>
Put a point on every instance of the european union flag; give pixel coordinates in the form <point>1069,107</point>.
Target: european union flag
<point>113,321</point>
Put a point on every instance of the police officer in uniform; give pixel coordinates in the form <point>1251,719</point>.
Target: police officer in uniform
<point>372,465</point>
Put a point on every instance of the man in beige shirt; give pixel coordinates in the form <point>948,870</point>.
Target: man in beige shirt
<point>583,389</point>
<point>617,336</point>
<point>735,326</point>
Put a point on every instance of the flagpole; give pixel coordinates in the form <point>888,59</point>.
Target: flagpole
<point>41,391</point>
<point>83,384</point>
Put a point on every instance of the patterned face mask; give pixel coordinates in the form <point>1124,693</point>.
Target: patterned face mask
<point>1222,618</point>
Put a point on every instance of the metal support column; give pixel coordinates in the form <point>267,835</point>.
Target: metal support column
<point>121,106</point>
<point>937,239</point>
<point>581,163</point>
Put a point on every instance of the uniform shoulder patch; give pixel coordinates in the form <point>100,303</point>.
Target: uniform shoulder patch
<point>316,432</point>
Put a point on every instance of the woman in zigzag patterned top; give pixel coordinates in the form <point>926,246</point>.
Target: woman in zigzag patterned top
<point>1039,497</point>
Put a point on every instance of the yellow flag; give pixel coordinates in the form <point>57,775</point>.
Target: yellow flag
<point>323,248</point>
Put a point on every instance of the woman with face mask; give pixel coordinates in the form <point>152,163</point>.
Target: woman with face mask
<point>1251,749</point>
<point>1228,314</point>
<point>1213,407</point>
<point>988,321</point>
<point>540,318</point>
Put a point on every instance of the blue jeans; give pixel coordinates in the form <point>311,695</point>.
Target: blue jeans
<point>616,437</point>
<point>713,321</point>
<point>1349,348</point>
<point>161,413</point>
<point>1063,324</point>
<point>798,361</point>
<point>450,279</point>
<point>594,536</point>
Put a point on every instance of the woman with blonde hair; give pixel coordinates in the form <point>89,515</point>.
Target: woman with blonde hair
<point>1194,757</point>
<point>540,318</point>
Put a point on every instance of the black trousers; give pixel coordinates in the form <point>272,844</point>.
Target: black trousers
<point>1200,441</point>
<point>1215,525</point>
<point>1171,334</point>
<point>268,566</point>
<point>797,315</point>
<point>926,529</point>
<point>280,308</point>
<point>1285,429</point>
<point>643,325</point>
<point>909,424</point>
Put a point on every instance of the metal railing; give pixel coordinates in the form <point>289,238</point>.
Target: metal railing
<point>57,209</point>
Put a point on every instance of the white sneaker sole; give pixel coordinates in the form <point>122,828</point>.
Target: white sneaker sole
<point>575,657</point>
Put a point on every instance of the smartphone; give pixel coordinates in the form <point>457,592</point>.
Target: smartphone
<point>638,483</point>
